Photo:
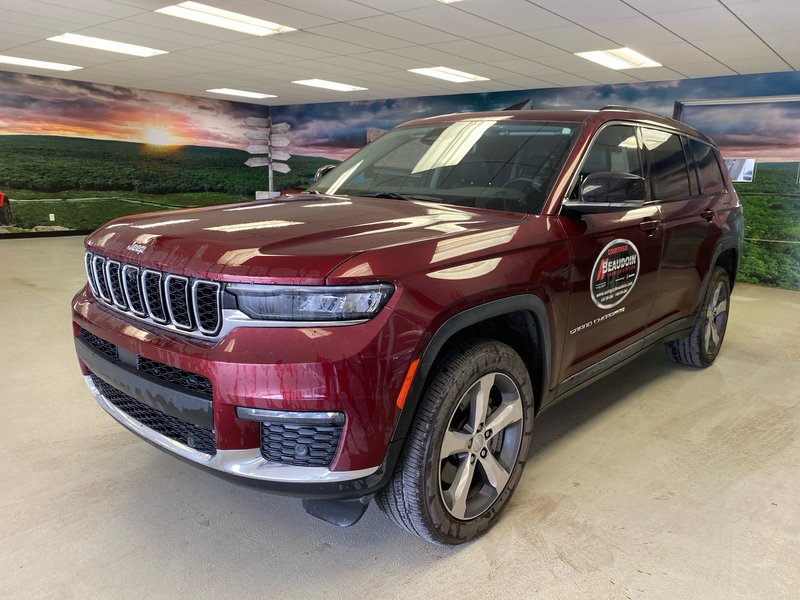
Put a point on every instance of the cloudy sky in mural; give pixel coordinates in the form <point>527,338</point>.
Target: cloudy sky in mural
<point>35,105</point>
<point>764,131</point>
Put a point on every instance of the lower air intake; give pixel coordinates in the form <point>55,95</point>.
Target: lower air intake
<point>300,444</point>
<point>189,434</point>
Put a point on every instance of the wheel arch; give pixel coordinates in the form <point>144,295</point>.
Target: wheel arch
<point>520,321</point>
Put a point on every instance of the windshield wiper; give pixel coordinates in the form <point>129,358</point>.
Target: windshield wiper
<point>398,196</point>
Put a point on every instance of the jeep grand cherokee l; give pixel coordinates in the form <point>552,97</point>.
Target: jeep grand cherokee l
<point>395,331</point>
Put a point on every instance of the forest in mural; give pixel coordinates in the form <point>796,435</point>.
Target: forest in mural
<point>87,153</point>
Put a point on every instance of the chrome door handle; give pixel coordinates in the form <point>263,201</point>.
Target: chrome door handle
<point>650,226</point>
<point>708,214</point>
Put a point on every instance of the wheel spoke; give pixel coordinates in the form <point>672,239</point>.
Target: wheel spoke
<point>480,401</point>
<point>714,333</point>
<point>496,475</point>
<point>721,307</point>
<point>459,490</point>
<point>507,413</point>
<point>454,442</point>
<point>707,335</point>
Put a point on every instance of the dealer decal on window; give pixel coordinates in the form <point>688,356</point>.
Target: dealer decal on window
<point>614,273</point>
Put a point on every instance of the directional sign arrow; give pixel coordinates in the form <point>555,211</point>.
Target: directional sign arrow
<point>280,167</point>
<point>257,134</point>
<point>257,149</point>
<point>278,141</point>
<point>257,161</point>
<point>280,127</point>
<point>256,122</point>
<point>280,155</point>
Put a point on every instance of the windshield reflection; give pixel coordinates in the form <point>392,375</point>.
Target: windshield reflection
<point>489,162</point>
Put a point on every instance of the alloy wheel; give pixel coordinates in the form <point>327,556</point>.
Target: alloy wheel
<point>716,316</point>
<point>480,446</point>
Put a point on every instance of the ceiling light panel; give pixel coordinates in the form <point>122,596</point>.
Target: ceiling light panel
<point>217,17</point>
<point>330,85</point>
<point>37,64</point>
<point>107,45</point>
<point>242,93</point>
<point>619,58</point>
<point>448,74</point>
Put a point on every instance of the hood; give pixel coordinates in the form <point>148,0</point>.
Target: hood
<point>297,239</point>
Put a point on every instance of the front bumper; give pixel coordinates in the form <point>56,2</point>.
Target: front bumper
<point>243,391</point>
<point>250,464</point>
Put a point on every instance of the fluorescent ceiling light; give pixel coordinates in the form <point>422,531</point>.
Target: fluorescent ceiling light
<point>109,45</point>
<point>330,85</point>
<point>243,93</point>
<point>619,58</point>
<point>202,13</point>
<point>37,64</point>
<point>449,74</point>
<point>449,1</point>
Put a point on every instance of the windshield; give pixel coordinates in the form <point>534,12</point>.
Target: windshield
<point>487,162</point>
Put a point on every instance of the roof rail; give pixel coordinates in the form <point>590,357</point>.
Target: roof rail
<point>633,109</point>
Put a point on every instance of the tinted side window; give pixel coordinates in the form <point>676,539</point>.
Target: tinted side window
<point>615,148</point>
<point>711,181</point>
<point>669,173</point>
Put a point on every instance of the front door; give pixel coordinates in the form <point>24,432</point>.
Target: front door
<point>615,261</point>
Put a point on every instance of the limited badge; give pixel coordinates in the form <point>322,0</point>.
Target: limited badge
<point>614,273</point>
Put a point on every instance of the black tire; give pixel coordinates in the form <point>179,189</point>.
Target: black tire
<point>415,496</point>
<point>700,348</point>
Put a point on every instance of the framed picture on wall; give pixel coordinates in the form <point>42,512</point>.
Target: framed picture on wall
<point>742,170</point>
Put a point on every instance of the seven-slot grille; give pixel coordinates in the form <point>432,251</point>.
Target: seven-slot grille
<point>174,301</point>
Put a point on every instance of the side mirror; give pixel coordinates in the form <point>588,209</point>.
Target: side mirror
<point>322,171</point>
<point>609,191</point>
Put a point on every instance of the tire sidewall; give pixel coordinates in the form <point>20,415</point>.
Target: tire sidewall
<point>718,276</point>
<point>446,527</point>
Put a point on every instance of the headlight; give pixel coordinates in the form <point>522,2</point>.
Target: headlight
<point>316,303</point>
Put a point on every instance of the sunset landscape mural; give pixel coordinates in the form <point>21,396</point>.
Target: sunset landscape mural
<point>81,153</point>
<point>32,105</point>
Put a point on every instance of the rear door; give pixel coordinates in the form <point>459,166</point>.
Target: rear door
<point>687,217</point>
<point>615,261</point>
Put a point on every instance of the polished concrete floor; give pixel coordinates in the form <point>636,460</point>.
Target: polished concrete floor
<point>665,482</point>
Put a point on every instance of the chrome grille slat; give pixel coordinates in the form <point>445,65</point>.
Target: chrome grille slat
<point>178,303</point>
<point>98,267</point>
<point>208,321</point>
<point>114,279</point>
<point>87,262</point>
<point>154,296</point>
<point>133,290</point>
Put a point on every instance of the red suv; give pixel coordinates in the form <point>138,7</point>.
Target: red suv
<point>394,332</point>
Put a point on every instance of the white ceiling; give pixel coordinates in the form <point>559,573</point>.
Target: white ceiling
<point>518,44</point>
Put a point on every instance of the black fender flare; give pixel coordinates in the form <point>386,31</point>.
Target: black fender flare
<point>729,241</point>
<point>459,322</point>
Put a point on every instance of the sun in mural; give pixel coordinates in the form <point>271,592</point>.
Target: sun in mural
<point>155,135</point>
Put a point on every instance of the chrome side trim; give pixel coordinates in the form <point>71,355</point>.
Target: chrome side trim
<point>283,416</point>
<point>244,463</point>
